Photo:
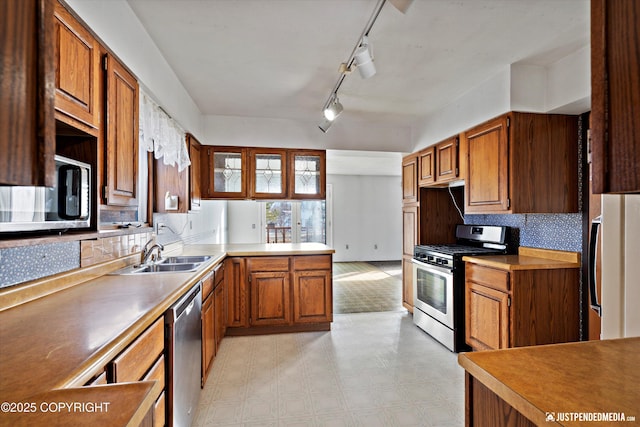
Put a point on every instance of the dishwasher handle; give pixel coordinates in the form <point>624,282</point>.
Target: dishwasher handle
<point>185,304</point>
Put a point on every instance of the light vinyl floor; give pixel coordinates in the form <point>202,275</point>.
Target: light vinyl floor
<point>371,369</point>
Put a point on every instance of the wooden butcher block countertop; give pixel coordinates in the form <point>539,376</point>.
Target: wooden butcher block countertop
<point>528,259</point>
<point>584,377</point>
<point>62,339</point>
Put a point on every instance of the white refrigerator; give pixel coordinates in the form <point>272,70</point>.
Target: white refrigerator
<point>620,258</point>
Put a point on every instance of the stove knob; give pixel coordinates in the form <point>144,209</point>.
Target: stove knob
<point>444,262</point>
<point>430,258</point>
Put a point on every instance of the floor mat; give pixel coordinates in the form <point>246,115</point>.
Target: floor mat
<point>360,287</point>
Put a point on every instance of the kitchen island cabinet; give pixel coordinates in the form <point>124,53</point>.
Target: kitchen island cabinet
<point>519,300</point>
<point>546,385</point>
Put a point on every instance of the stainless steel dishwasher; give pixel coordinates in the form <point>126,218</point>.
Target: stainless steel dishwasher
<point>184,357</point>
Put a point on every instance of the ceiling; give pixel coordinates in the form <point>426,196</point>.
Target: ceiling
<point>280,58</point>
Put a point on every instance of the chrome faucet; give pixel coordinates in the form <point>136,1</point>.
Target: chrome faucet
<point>147,251</point>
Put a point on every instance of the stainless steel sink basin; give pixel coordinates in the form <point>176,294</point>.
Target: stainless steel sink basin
<point>157,268</point>
<point>160,268</point>
<point>186,259</point>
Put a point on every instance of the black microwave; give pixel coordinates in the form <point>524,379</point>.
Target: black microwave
<point>65,206</point>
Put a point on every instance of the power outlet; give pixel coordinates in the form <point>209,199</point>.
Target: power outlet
<point>347,246</point>
<point>375,246</point>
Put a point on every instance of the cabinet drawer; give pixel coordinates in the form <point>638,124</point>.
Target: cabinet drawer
<point>207,285</point>
<point>490,277</point>
<point>159,411</point>
<point>269,264</point>
<point>218,275</point>
<point>156,373</point>
<point>312,262</point>
<point>136,359</point>
<point>98,380</point>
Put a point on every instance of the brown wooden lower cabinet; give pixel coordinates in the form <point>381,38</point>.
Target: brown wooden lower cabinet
<point>484,408</point>
<point>208,336</point>
<point>407,282</point>
<point>285,293</point>
<point>519,308</point>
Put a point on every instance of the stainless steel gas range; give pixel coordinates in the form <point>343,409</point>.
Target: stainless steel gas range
<point>438,281</point>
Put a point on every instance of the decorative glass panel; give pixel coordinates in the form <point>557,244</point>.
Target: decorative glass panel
<point>307,174</point>
<point>268,173</point>
<point>227,172</point>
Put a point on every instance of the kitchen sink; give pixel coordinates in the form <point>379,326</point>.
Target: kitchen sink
<point>186,259</point>
<point>157,268</point>
<point>164,267</point>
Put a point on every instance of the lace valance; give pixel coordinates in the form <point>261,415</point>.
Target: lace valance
<point>162,135</point>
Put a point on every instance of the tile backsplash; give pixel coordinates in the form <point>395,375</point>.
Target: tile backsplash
<point>550,231</point>
<point>25,263</point>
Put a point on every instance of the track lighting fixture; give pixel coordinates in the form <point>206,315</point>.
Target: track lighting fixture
<point>333,109</point>
<point>361,58</point>
<point>364,59</point>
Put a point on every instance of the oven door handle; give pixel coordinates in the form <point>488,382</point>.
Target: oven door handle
<point>436,268</point>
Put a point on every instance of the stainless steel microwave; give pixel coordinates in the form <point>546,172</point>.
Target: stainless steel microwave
<point>65,206</point>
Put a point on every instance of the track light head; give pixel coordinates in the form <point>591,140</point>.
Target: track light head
<point>364,59</point>
<point>325,125</point>
<point>334,109</point>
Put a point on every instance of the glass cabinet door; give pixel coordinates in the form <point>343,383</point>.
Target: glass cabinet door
<point>307,174</point>
<point>229,174</point>
<point>268,173</point>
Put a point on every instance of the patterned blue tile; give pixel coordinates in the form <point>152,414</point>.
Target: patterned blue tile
<point>26,263</point>
<point>550,231</point>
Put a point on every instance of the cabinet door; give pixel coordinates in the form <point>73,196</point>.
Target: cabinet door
<point>487,185</point>
<point>220,314</point>
<point>410,179</point>
<point>122,134</point>
<point>615,84</point>
<point>227,171</point>
<point>407,283</point>
<point>270,298</point>
<point>307,172</point>
<point>236,288</point>
<point>26,97</point>
<point>208,339</point>
<point>486,317</point>
<point>268,173</point>
<point>410,237</point>
<point>447,160</point>
<point>195,172</point>
<point>167,179</point>
<point>427,166</point>
<point>312,298</point>
<point>77,55</point>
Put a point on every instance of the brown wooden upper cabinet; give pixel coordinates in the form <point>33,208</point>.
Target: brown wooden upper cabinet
<point>410,178</point>
<point>427,169</point>
<point>27,127</point>
<point>262,173</point>
<point>77,73</point>
<point>523,163</point>
<point>195,172</point>
<point>225,173</point>
<point>438,164</point>
<point>268,179</point>
<point>307,174</point>
<point>184,184</point>
<point>615,96</point>
<point>122,134</point>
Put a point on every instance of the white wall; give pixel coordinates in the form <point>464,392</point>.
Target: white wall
<point>286,133</point>
<point>207,225</point>
<point>244,221</point>
<point>367,211</point>
<point>119,28</point>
